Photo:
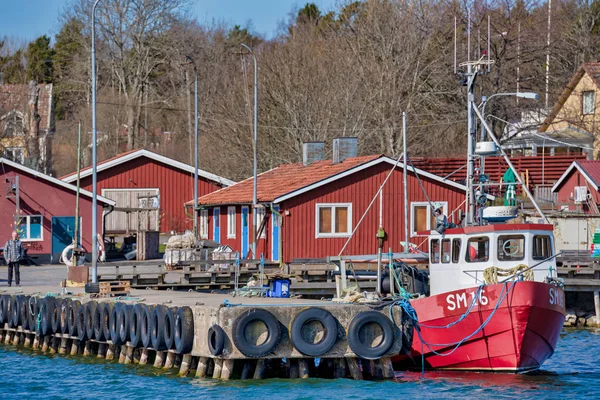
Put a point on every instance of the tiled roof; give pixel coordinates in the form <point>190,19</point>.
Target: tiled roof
<point>15,97</point>
<point>282,180</point>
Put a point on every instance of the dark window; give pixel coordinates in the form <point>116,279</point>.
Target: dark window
<point>455,250</point>
<point>446,251</point>
<point>511,247</point>
<point>478,249</point>
<point>435,251</point>
<point>542,247</point>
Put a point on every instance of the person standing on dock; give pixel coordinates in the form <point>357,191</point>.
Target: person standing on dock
<point>13,253</point>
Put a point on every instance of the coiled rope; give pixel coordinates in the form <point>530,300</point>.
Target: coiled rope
<point>491,274</point>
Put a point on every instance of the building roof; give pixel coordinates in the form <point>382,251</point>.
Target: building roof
<point>289,180</point>
<point>592,69</point>
<point>132,155</point>
<point>590,169</point>
<point>53,180</point>
<point>15,98</point>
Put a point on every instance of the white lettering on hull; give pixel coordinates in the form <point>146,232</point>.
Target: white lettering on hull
<point>456,301</point>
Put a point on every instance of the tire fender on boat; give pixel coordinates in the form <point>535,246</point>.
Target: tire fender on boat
<point>239,329</point>
<point>330,334</point>
<point>362,349</point>
<point>216,340</point>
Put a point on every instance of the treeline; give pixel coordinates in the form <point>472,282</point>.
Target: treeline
<point>348,72</point>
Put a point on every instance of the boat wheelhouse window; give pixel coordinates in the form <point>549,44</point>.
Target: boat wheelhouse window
<point>455,250</point>
<point>435,251</point>
<point>511,247</point>
<point>446,249</point>
<point>478,249</point>
<point>542,247</point>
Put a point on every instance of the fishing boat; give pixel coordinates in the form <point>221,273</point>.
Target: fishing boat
<point>495,301</point>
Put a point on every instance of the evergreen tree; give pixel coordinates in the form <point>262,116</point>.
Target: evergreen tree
<point>39,60</point>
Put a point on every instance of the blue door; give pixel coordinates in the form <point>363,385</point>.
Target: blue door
<point>275,220</point>
<point>217,225</point>
<point>63,231</point>
<point>245,212</point>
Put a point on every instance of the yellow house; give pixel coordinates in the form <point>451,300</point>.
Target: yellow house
<point>577,111</point>
<point>27,124</point>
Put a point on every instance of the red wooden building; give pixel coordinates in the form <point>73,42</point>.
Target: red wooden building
<point>42,209</point>
<point>310,210</point>
<point>145,179</point>
<point>578,187</point>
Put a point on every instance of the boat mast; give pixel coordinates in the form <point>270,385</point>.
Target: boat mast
<point>471,76</point>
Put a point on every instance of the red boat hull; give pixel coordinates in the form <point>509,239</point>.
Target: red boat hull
<point>525,321</point>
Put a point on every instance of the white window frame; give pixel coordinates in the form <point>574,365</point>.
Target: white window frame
<point>204,223</point>
<point>28,219</point>
<point>593,105</point>
<point>260,216</point>
<point>333,206</point>
<point>231,215</point>
<point>437,204</point>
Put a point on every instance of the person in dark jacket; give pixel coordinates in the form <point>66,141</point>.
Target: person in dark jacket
<point>13,253</point>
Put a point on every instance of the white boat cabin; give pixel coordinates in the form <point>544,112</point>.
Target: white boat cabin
<point>459,256</point>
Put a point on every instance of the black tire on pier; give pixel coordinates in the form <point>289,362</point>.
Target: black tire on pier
<point>13,315</point>
<point>72,316</point>
<point>114,320</point>
<point>330,329</point>
<point>98,328</point>
<point>239,332</point>
<point>123,318</point>
<point>216,340</point>
<point>90,312</point>
<point>364,350</point>
<point>169,327</point>
<point>39,315</point>
<point>63,315</point>
<point>3,309</point>
<point>184,330</point>
<point>157,328</point>
<point>105,315</point>
<point>48,313</point>
<point>92,287</point>
<point>146,325</point>
<point>56,315</point>
<point>24,312</point>
<point>135,325</point>
<point>81,322</point>
<point>32,313</point>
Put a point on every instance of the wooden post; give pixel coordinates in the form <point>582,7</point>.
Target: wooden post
<point>36,342</point>
<point>144,357</point>
<point>54,345</point>
<point>185,365</point>
<point>86,348</point>
<point>16,339</point>
<point>74,347</point>
<point>63,346</point>
<point>227,370</point>
<point>218,368</point>
<point>8,337</point>
<point>110,352</point>
<point>259,371</point>
<point>340,368</point>
<point>354,368</point>
<point>169,361</point>
<point>137,353</point>
<point>202,367</point>
<point>46,344</point>
<point>388,368</point>
<point>27,342</point>
<point>129,355</point>
<point>303,370</point>
<point>597,305</point>
<point>122,354</point>
<point>159,359</point>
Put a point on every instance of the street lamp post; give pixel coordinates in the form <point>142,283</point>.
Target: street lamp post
<point>94,154</point>
<point>255,148</point>
<point>191,61</point>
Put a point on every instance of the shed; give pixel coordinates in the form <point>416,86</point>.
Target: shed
<point>311,209</point>
<point>144,179</point>
<point>578,187</point>
<point>44,211</point>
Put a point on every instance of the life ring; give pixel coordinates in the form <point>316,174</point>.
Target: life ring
<point>330,335</point>
<point>169,327</point>
<point>135,323</point>
<point>239,330</point>
<point>68,261</point>
<point>146,325</point>
<point>184,330</point>
<point>157,328</point>
<point>216,340</point>
<point>362,349</point>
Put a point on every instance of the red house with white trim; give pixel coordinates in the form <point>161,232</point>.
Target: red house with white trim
<point>142,178</point>
<point>42,209</point>
<point>311,209</point>
<point>578,187</point>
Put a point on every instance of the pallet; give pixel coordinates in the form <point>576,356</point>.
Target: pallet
<point>114,288</point>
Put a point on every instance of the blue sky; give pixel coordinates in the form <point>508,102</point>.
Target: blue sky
<point>28,19</point>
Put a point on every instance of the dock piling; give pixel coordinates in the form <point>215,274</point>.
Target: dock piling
<point>46,344</point>
<point>597,305</point>
<point>354,368</point>
<point>110,352</point>
<point>63,346</point>
<point>185,365</point>
<point>36,342</point>
<point>74,346</point>
<point>202,367</point>
<point>227,370</point>
<point>247,369</point>
<point>122,354</point>
<point>129,355</point>
<point>259,371</point>
<point>159,359</point>
<point>303,370</point>
<point>27,341</point>
<point>16,339</point>
<point>144,356</point>
<point>218,368</point>
<point>170,361</point>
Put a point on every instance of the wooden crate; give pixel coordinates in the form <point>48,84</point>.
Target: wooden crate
<point>114,288</point>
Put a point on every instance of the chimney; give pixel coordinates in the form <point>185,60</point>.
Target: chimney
<point>344,147</point>
<point>312,152</point>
